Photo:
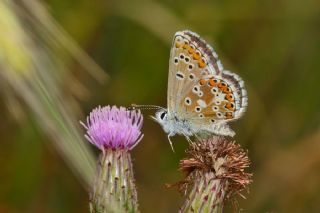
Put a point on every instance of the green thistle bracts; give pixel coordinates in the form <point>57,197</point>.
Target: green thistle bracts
<point>114,189</point>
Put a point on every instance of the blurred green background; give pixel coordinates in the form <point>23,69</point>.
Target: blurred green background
<point>273,45</point>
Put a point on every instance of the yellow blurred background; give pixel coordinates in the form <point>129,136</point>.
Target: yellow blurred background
<point>48,84</point>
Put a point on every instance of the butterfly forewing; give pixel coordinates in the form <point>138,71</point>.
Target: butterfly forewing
<point>189,62</point>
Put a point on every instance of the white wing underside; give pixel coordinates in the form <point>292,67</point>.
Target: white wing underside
<point>179,88</point>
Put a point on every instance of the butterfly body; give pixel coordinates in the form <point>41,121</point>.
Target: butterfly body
<point>175,125</point>
<point>202,96</point>
<point>172,124</point>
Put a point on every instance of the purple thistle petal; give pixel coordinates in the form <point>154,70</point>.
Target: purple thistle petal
<point>114,128</point>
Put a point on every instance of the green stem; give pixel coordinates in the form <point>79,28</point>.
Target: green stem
<point>207,194</point>
<point>114,189</point>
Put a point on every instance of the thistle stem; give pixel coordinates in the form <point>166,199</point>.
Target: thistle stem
<point>114,189</point>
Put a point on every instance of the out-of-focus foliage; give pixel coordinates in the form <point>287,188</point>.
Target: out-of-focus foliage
<point>273,45</point>
<point>33,62</point>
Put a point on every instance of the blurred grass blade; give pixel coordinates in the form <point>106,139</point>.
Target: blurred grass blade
<point>163,26</point>
<point>34,53</point>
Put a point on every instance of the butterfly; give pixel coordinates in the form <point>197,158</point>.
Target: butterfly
<point>202,96</point>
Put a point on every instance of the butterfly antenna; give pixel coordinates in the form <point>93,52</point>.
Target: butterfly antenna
<point>135,106</point>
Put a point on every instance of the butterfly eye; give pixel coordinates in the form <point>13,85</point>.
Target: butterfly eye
<point>163,115</point>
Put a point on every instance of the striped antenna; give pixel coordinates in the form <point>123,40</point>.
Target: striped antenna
<point>135,106</point>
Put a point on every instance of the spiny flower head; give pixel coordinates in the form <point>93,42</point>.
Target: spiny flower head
<point>114,128</point>
<point>227,160</point>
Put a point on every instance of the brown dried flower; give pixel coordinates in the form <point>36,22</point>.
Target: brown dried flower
<point>225,161</point>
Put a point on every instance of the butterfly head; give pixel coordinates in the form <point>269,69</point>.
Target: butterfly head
<point>161,116</point>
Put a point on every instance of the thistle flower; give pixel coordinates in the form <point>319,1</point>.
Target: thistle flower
<point>115,131</point>
<point>215,172</point>
<point>113,128</point>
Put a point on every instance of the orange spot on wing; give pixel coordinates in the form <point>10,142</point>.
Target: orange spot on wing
<point>212,83</point>
<point>190,50</point>
<point>229,106</point>
<point>196,55</point>
<point>201,63</point>
<point>185,46</point>
<point>221,85</point>
<point>202,82</point>
<point>225,89</point>
<point>229,97</point>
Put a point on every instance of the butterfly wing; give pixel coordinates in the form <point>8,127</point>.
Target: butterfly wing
<point>199,90</point>
<point>187,64</point>
<point>224,99</point>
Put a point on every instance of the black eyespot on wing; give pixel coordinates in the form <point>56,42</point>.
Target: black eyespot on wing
<point>180,76</point>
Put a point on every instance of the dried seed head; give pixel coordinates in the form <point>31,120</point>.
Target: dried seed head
<point>227,160</point>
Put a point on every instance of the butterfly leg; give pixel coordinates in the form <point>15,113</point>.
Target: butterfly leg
<point>189,140</point>
<point>169,135</point>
